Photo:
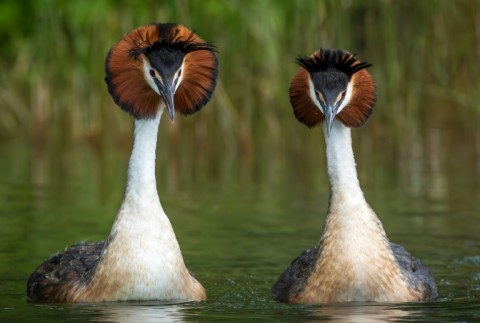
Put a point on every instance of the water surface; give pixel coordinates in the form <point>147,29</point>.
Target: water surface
<point>239,223</point>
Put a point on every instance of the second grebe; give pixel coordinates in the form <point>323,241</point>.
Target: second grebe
<point>354,260</point>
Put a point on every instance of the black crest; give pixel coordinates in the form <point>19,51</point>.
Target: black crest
<point>332,58</point>
<point>168,37</point>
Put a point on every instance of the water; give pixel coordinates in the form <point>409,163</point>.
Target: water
<point>240,222</point>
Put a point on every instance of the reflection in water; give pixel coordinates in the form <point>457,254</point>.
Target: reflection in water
<point>415,167</point>
<point>362,312</point>
<point>467,261</point>
<point>427,177</point>
<point>477,149</point>
<point>437,188</point>
<point>139,312</point>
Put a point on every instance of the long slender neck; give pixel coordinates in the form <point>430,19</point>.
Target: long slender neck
<point>141,259</point>
<point>341,163</point>
<point>141,182</point>
<point>356,262</point>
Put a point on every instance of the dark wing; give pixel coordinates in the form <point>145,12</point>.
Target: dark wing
<point>295,277</point>
<point>417,274</point>
<point>63,271</point>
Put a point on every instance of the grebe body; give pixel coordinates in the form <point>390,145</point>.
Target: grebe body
<point>153,68</point>
<point>354,260</point>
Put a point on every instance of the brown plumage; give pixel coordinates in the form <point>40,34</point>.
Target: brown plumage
<point>126,78</point>
<point>354,260</point>
<point>152,69</point>
<point>360,107</point>
<point>62,275</point>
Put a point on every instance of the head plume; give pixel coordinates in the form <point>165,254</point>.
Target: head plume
<point>363,96</point>
<point>125,75</point>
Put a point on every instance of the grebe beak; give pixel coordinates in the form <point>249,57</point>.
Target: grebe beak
<point>329,112</point>
<point>167,94</point>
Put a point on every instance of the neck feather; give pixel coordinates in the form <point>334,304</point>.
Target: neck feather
<point>141,182</point>
<point>341,162</point>
<point>142,259</point>
<point>353,238</point>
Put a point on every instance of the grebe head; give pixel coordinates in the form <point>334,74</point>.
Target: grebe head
<point>161,62</point>
<point>332,83</point>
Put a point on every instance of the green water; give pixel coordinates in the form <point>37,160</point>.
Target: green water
<point>240,222</point>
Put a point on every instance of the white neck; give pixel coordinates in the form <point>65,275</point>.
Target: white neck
<point>141,216</point>
<point>142,257</point>
<point>141,182</point>
<point>341,163</point>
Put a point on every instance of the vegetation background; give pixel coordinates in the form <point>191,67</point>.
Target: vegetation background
<point>425,57</point>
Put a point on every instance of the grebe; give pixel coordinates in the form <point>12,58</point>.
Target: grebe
<point>152,67</point>
<point>354,260</point>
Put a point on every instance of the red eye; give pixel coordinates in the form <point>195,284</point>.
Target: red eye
<point>152,73</point>
<point>319,96</point>
<point>179,73</point>
<point>344,93</point>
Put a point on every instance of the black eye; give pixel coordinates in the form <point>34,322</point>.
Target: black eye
<point>179,73</point>
<point>152,73</point>
<point>344,93</point>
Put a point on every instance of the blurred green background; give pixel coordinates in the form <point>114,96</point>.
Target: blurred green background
<point>425,57</point>
<point>52,63</point>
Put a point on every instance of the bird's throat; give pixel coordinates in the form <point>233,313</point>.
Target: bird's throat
<point>141,168</point>
<point>342,171</point>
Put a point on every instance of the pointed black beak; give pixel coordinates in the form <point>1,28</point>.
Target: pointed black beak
<point>166,91</point>
<point>167,95</point>
<point>329,112</point>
